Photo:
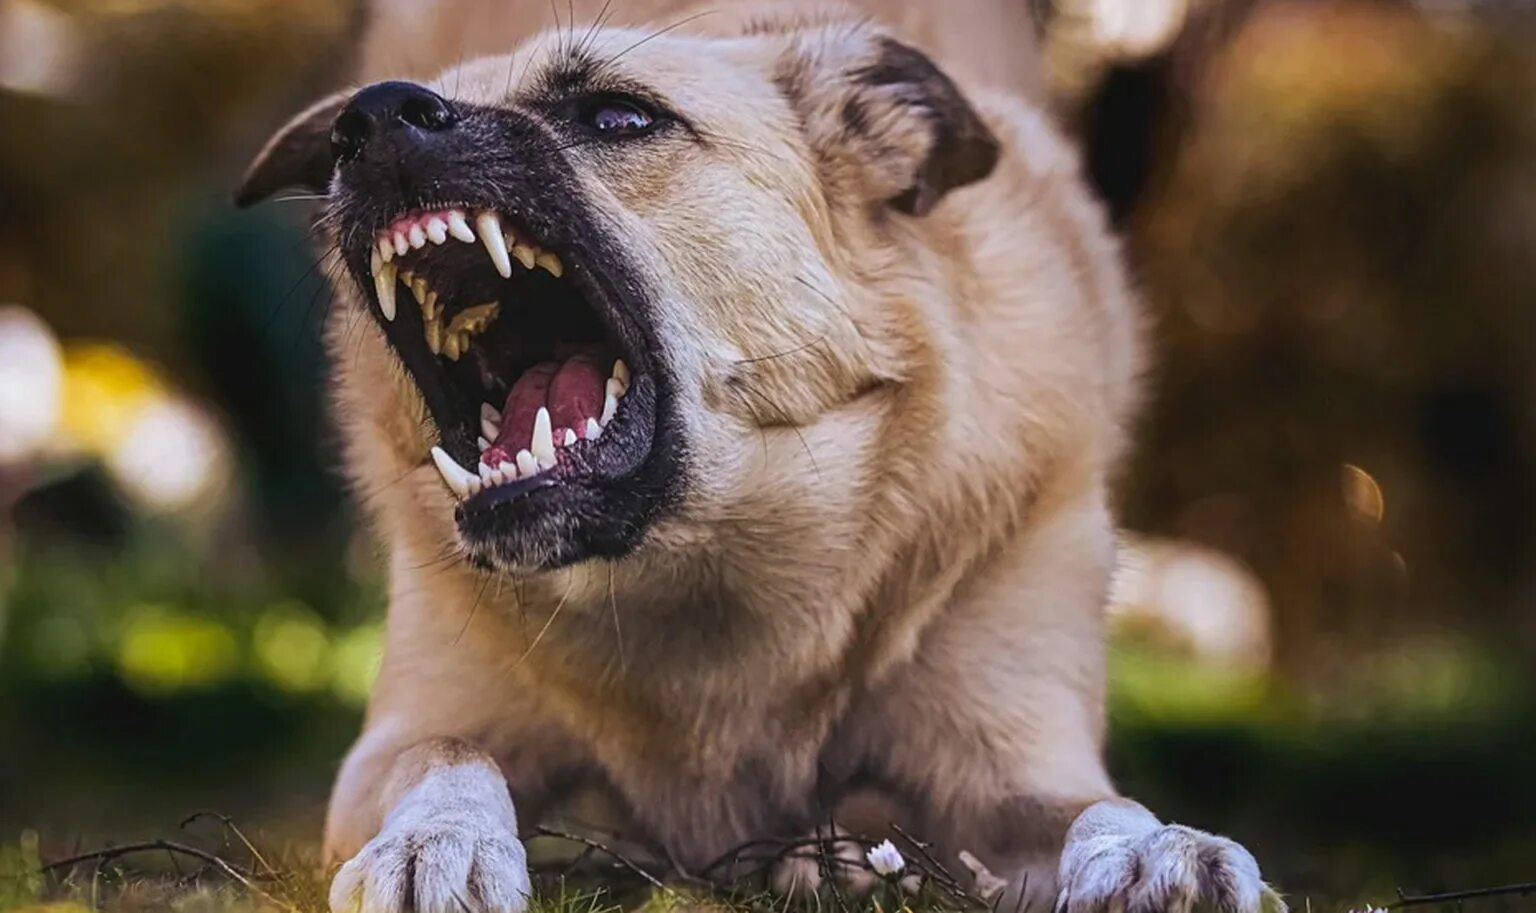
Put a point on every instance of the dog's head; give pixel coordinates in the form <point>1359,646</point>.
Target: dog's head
<point>612,269</point>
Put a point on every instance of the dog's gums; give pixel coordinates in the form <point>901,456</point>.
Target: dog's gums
<point>534,417</point>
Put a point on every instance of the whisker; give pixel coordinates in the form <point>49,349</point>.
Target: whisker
<point>786,353</point>
<point>570,581</point>
<point>656,34</point>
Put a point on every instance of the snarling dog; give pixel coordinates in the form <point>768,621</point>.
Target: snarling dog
<point>739,406</point>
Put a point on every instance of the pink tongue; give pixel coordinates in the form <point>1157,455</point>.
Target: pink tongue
<point>572,391</point>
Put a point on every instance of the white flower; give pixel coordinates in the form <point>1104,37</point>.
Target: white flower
<point>885,859</point>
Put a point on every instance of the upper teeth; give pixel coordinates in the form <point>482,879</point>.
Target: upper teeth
<point>501,246</point>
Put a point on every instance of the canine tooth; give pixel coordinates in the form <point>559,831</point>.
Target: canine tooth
<point>525,255</point>
<point>384,287</point>
<point>489,225</point>
<point>434,332</point>
<point>552,263</point>
<point>463,482</point>
<point>508,471</point>
<point>386,248</point>
<point>375,261</point>
<point>401,245</point>
<point>459,228</point>
<point>419,289</point>
<point>621,371</point>
<point>568,438</point>
<point>527,465</point>
<point>543,443</point>
<point>490,421</point>
<point>615,388</point>
<point>417,237</point>
<point>610,406</point>
<point>437,230</point>
<point>482,443</point>
<point>451,346</point>
<point>593,429</point>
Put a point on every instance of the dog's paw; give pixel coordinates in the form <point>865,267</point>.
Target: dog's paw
<point>800,872</point>
<point>1165,869</point>
<point>444,849</point>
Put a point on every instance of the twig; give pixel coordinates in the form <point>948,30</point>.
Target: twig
<point>102,856</point>
<point>940,873</point>
<point>615,855</point>
<point>1404,901</point>
<point>231,827</point>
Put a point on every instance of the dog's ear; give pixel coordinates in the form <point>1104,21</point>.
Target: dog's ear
<point>298,155</point>
<point>885,123</point>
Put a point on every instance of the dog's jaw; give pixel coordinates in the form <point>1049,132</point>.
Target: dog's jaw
<point>527,335</point>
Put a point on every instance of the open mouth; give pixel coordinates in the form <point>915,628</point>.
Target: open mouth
<point>533,375</point>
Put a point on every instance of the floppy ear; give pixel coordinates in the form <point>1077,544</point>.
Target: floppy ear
<point>298,155</point>
<point>886,123</point>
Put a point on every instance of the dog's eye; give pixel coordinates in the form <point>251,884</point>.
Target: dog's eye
<point>615,117</point>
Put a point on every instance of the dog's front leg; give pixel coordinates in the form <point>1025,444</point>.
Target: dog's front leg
<point>448,839</point>
<point>995,728</point>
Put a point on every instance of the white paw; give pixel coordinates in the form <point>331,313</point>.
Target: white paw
<point>449,846</point>
<point>1169,869</point>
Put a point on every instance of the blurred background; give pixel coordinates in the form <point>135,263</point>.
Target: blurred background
<point>1326,623</point>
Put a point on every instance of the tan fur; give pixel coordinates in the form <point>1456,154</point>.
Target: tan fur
<point>892,561</point>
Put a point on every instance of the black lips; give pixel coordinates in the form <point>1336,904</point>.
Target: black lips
<point>478,158</point>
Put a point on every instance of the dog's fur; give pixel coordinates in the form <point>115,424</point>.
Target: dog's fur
<point>906,362</point>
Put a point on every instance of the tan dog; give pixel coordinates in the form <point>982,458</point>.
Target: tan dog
<point>738,404</point>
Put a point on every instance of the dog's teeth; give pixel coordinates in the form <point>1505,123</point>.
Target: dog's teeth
<point>593,429</point>
<point>615,388</point>
<point>407,276</point>
<point>419,290</point>
<point>384,287</point>
<point>482,443</point>
<point>621,371</point>
<point>508,471</point>
<point>417,237</point>
<point>386,248</point>
<point>610,406</point>
<point>525,255</point>
<point>551,263</point>
<point>434,333</point>
<point>458,226</point>
<point>375,263</point>
<point>489,225</point>
<point>543,444</point>
<point>463,482</point>
<point>451,346</point>
<point>490,476</point>
<point>527,464</point>
<point>472,321</point>
<point>490,421</point>
<point>401,244</point>
<point>437,230</point>
<point>429,307</point>
<point>568,438</point>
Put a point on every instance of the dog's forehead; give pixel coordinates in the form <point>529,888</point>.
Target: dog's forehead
<point>685,70</point>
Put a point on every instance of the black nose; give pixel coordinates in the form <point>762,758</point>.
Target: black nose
<point>403,109</point>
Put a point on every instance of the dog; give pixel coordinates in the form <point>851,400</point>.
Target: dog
<point>739,402</point>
